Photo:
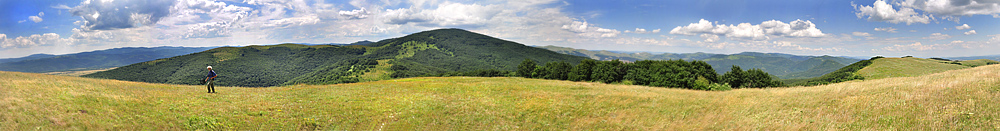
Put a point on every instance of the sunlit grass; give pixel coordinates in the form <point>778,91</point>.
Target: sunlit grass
<point>952,100</point>
<point>905,67</point>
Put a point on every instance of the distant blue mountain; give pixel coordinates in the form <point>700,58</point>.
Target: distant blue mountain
<point>991,57</point>
<point>30,57</point>
<point>95,59</point>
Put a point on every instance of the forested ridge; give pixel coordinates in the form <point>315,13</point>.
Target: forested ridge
<point>425,53</point>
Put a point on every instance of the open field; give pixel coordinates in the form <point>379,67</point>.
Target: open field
<point>905,67</point>
<point>77,72</point>
<point>962,99</point>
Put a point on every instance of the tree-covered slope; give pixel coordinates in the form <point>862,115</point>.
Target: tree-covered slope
<point>445,50</point>
<point>826,66</point>
<point>419,54</point>
<point>96,59</point>
<point>252,66</point>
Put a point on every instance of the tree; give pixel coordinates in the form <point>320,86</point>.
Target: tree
<point>557,70</point>
<point>703,69</point>
<point>756,78</point>
<point>608,71</point>
<point>525,68</point>
<point>753,78</point>
<point>583,70</point>
<point>734,77</point>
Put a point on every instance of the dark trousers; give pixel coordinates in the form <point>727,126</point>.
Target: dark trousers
<point>211,86</point>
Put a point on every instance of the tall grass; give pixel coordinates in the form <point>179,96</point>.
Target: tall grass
<point>951,100</point>
<point>905,67</point>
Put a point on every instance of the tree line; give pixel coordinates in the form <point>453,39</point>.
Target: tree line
<point>697,75</point>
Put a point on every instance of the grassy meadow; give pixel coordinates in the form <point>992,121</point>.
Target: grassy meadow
<point>76,72</point>
<point>951,100</point>
<point>906,67</point>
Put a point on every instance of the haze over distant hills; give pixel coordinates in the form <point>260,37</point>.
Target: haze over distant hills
<point>94,59</point>
<point>778,64</point>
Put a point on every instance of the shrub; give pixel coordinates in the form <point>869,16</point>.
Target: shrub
<point>941,59</point>
<point>719,87</point>
<point>701,84</point>
<point>876,57</point>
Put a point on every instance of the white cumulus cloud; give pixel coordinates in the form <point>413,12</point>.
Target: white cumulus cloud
<point>963,27</point>
<point>642,31</point>
<point>747,31</point>
<point>36,18</point>
<point>886,29</point>
<point>882,11</point>
<point>355,14</point>
<point>447,14</point>
<point>32,40</point>
<point>955,7</point>
<point>970,32</point>
<point>589,30</point>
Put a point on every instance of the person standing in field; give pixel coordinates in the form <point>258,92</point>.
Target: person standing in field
<point>210,79</point>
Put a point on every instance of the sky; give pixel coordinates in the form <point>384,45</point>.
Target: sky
<point>923,28</point>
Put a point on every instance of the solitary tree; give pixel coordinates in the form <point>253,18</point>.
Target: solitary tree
<point>525,68</point>
<point>734,77</point>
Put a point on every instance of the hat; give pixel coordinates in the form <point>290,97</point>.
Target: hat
<point>210,67</point>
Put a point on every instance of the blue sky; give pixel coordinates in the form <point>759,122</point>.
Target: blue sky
<point>924,28</point>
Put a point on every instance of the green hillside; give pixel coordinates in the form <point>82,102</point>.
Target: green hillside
<point>419,54</point>
<point>905,67</point>
<point>951,100</point>
<point>880,67</point>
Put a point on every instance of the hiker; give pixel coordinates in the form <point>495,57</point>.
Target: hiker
<point>210,79</point>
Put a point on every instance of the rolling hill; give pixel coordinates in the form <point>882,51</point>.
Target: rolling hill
<point>100,59</point>
<point>911,66</point>
<point>424,53</point>
<point>785,66</point>
<point>881,67</point>
<point>962,99</point>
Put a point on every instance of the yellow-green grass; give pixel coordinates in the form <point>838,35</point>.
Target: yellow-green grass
<point>978,62</point>
<point>381,71</point>
<point>905,67</point>
<point>951,100</point>
<point>77,72</point>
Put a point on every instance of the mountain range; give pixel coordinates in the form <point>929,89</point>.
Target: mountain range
<point>786,66</point>
<point>419,54</point>
<point>94,59</point>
